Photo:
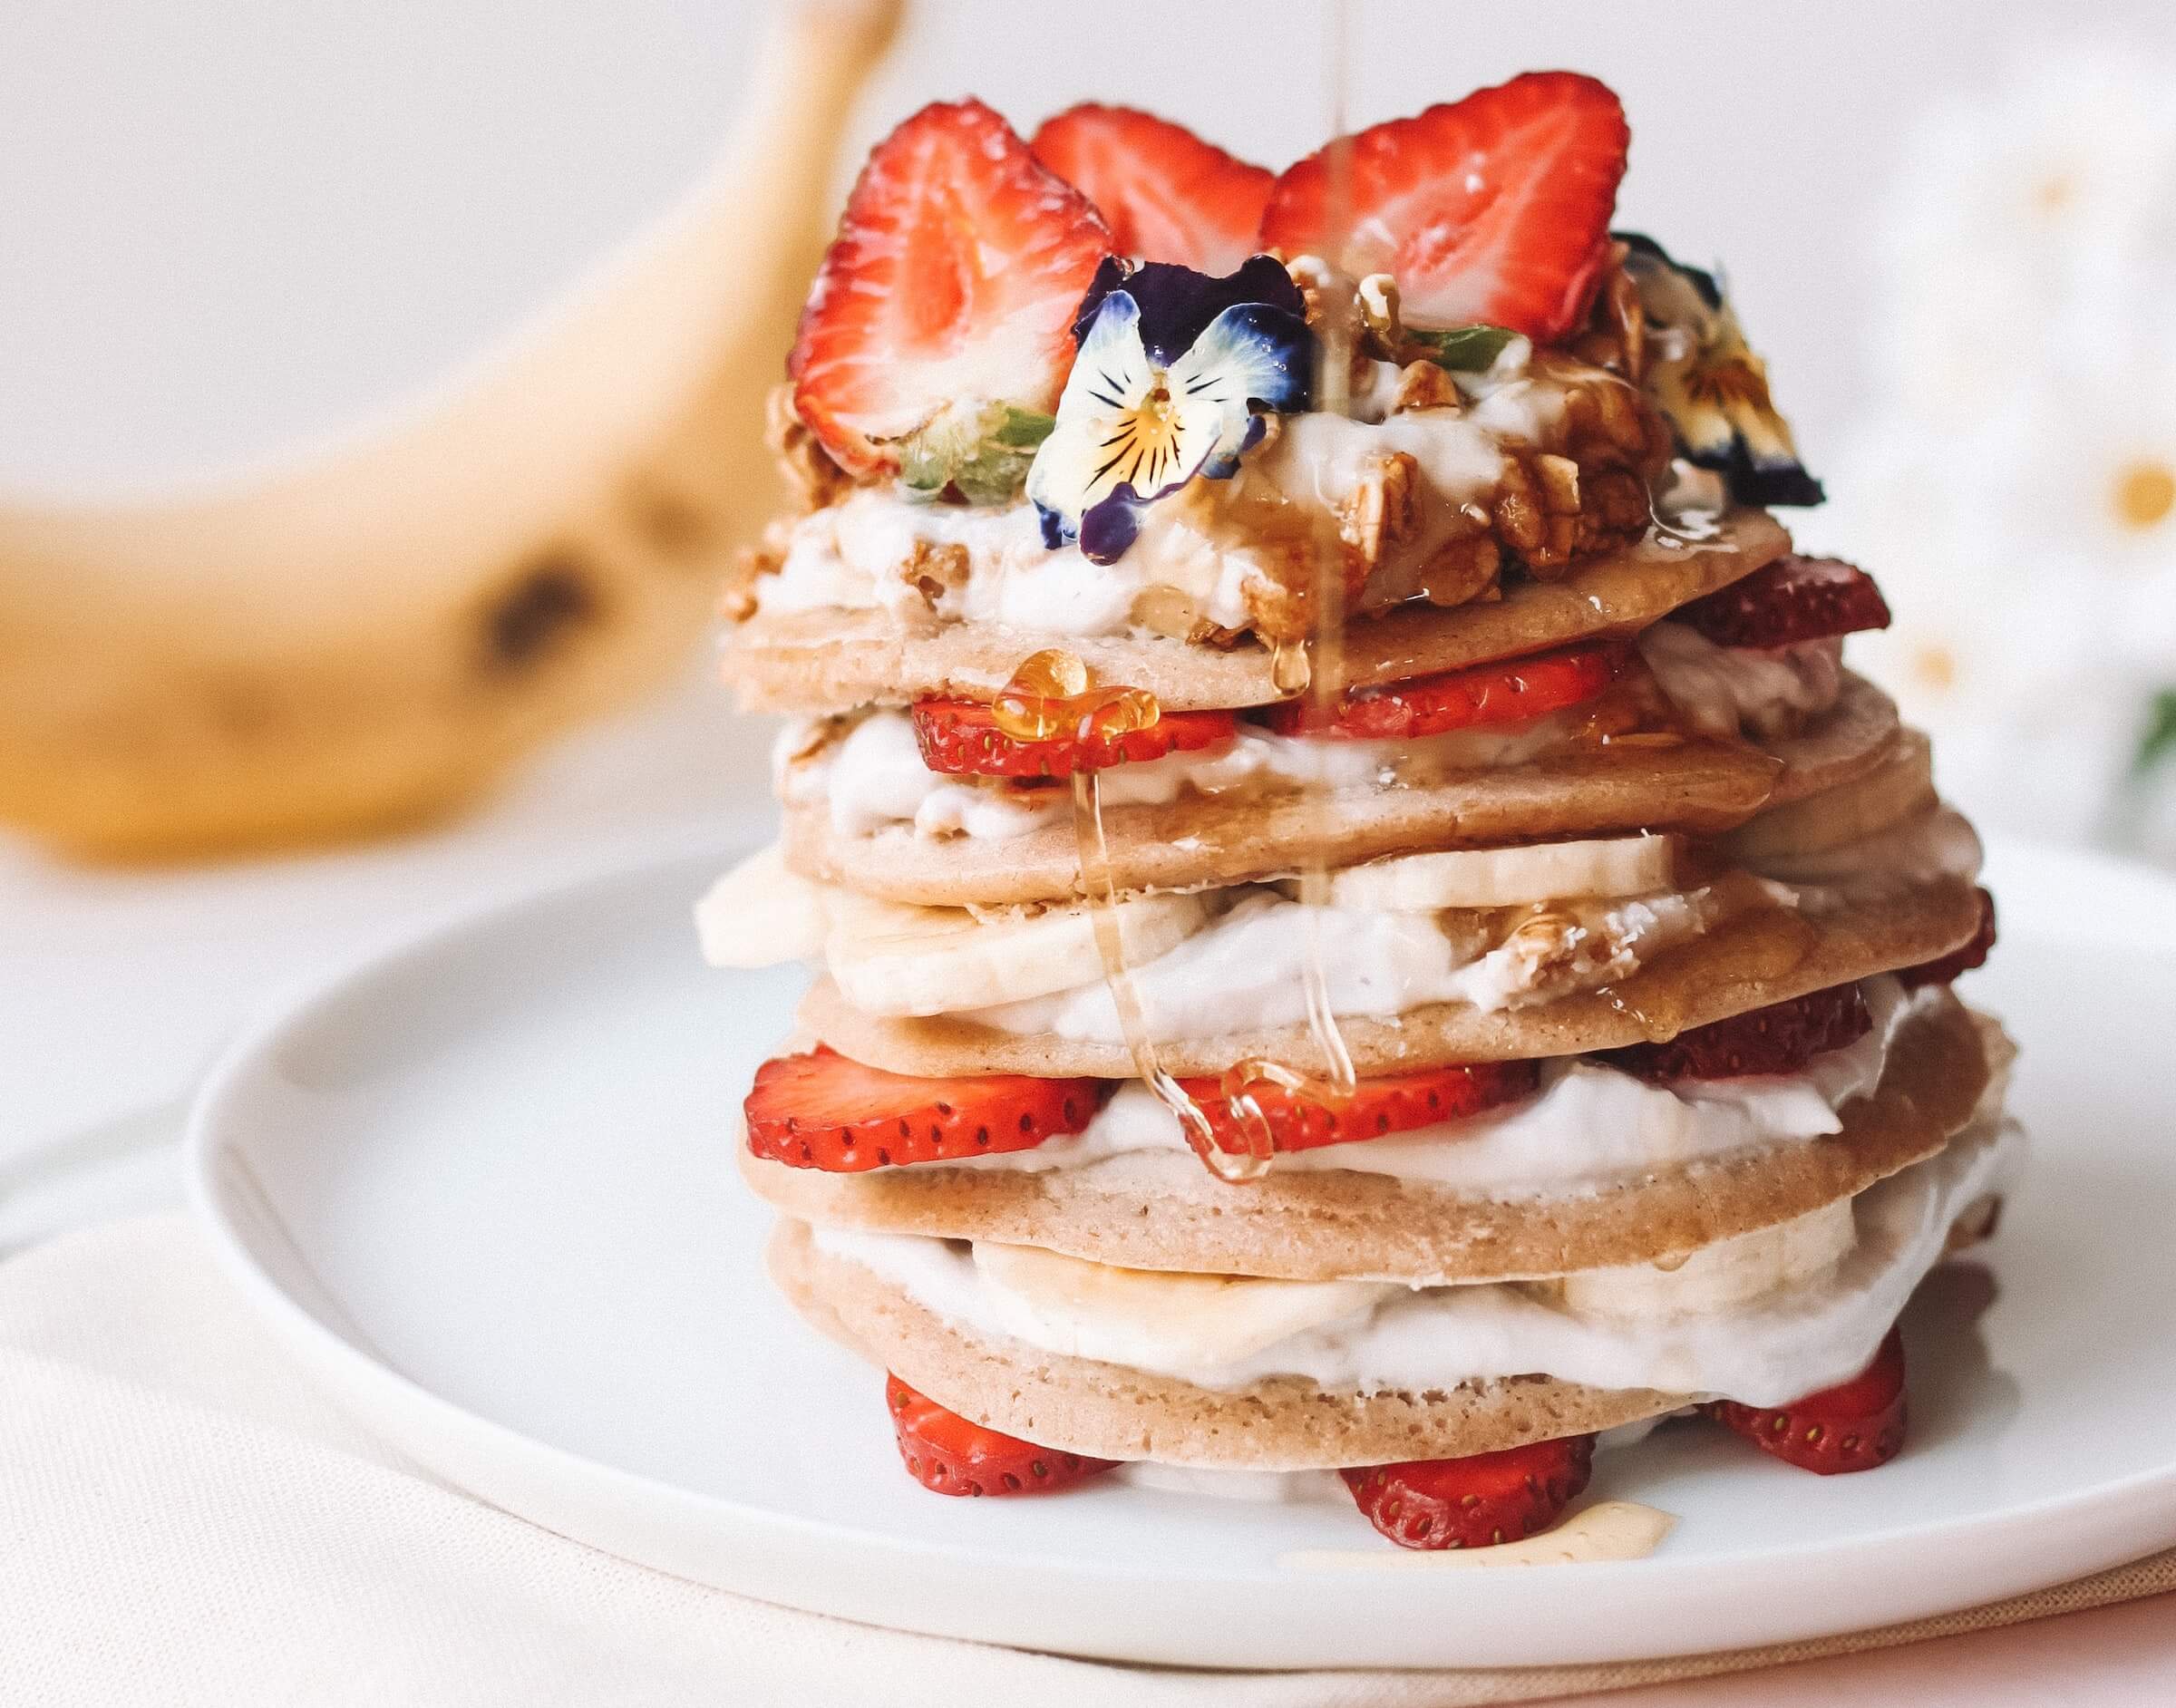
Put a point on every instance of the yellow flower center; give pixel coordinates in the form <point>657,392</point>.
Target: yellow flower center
<point>2145,492</point>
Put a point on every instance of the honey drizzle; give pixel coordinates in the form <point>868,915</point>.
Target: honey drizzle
<point>1315,667</point>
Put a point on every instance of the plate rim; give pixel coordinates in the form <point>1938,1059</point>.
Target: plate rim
<point>432,1428</point>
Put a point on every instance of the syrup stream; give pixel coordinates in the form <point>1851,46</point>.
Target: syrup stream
<point>1315,668</point>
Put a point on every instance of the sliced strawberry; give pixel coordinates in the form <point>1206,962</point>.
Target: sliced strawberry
<point>822,1110</point>
<point>1493,209</point>
<point>1513,691</point>
<point>946,1454</point>
<point>1395,1102</point>
<point>1943,970</point>
<point>1792,600</point>
<point>954,278</point>
<point>1166,194</point>
<point>1853,1426</point>
<point>1478,1501</point>
<point>962,737</point>
<point>1780,1038</point>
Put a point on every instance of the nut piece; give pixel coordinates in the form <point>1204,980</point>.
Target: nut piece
<point>1559,481</point>
<point>1383,507</point>
<point>934,570</point>
<point>1423,384</point>
<point>806,464</point>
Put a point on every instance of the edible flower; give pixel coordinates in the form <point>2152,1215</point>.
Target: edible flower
<point>1709,384</point>
<point>1175,375</point>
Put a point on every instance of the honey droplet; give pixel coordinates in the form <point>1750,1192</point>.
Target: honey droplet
<point>1049,696</point>
<point>1290,670</point>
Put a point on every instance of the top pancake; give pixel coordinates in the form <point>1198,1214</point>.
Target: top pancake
<point>833,660</point>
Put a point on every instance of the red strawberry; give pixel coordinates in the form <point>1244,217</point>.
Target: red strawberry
<point>1395,1102</point>
<point>1792,600</point>
<point>954,278</point>
<point>1513,691</point>
<point>821,1110</point>
<point>946,1454</point>
<point>1493,209</point>
<point>1780,1038</point>
<point>962,737</point>
<point>1948,966</point>
<point>1478,1501</point>
<point>1853,1426</point>
<point>1166,194</point>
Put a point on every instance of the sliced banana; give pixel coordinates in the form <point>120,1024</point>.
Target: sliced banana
<point>1729,1272</point>
<point>891,958</point>
<point>760,914</point>
<point>1154,1320</point>
<point>1901,786</point>
<point>1508,877</point>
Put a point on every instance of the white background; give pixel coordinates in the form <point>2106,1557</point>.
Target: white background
<point>226,224</point>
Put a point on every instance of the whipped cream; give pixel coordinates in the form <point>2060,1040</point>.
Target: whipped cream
<point>1248,969</point>
<point>859,554</point>
<point>1586,1128</point>
<point>1729,691</point>
<point>874,778</point>
<point>1763,1352</point>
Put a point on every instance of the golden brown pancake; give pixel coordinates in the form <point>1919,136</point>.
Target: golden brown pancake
<point>833,660</point>
<point>1162,1210</point>
<point>1744,963</point>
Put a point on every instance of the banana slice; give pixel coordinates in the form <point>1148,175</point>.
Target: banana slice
<point>761,915</point>
<point>891,958</point>
<point>1716,1276</point>
<point>1507,877</point>
<point>1154,1320</point>
<point>1899,788</point>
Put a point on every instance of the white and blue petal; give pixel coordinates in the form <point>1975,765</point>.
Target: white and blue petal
<point>1171,380</point>
<point>1121,438</point>
<point>1249,359</point>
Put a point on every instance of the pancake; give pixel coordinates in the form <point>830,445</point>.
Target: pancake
<point>833,660</point>
<point>1703,787</point>
<point>1161,1209</point>
<point>1199,841</point>
<point>1109,1412</point>
<point>1743,964</point>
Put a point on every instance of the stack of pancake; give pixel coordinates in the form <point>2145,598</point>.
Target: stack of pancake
<point>1403,967</point>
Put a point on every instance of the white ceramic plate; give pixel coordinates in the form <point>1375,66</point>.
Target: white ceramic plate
<point>480,1187</point>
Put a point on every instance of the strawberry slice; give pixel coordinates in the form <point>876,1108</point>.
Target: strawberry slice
<point>1395,1102</point>
<point>1493,209</point>
<point>1474,1502</point>
<point>1780,1038</point>
<point>962,737</point>
<point>1853,1426</point>
<point>1945,968</point>
<point>1166,194</point>
<point>822,1110</point>
<point>954,279</point>
<point>949,1455</point>
<point>1792,600</point>
<point>1512,691</point>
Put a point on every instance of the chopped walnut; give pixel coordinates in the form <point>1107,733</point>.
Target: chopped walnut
<point>935,570</point>
<point>1616,335</point>
<point>1425,386</point>
<point>1383,509</point>
<point>806,464</point>
<point>750,564</point>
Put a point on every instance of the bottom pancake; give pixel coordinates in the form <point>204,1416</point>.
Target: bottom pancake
<point>1161,1209</point>
<point>1285,1407</point>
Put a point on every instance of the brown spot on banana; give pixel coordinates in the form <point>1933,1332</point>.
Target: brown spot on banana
<point>370,637</point>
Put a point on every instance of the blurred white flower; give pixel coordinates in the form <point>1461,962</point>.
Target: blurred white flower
<point>2014,488</point>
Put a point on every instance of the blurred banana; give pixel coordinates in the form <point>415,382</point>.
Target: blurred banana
<point>366,639</point>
